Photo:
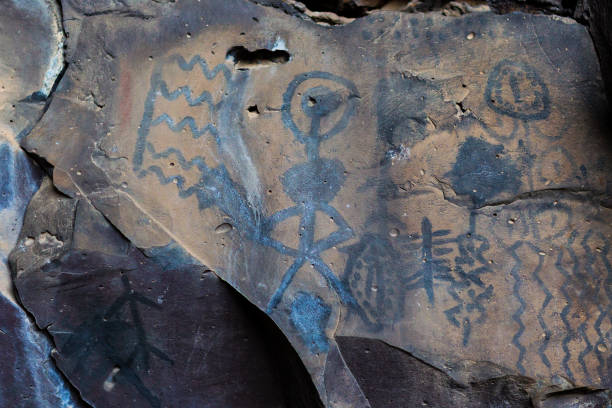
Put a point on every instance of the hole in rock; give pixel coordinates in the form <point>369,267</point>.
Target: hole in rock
<point>245,59</point>
<point>253,111</point>
<point>223,228</point>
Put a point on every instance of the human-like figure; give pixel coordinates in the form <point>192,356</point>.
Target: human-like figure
<point>313,184</point>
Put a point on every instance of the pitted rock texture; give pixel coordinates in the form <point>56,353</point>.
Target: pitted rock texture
<point>438,184</point>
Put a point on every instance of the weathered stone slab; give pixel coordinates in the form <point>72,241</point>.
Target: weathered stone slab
<point>439,183</point>
<point>30,60</point>
<point>128,329</point>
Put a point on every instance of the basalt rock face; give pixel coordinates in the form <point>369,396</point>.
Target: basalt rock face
<point>30,60</point>
<point>128,327</point>
<point>420,203</point>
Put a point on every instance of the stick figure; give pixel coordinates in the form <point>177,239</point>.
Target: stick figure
<point>313,184</point>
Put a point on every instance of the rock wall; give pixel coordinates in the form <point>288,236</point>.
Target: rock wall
<point>31,58</point>
<point>263,203</point>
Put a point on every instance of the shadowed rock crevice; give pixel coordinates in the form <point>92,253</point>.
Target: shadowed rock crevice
<point>575,398</point>
<point>360,8</point>
<point>598,197</point>
<point>597,14</point>
<point>291,375</point>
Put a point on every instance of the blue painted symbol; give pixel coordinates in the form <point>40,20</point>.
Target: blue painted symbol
<point>309,315</point>
<point>313,184</point>
<point>6,176</point>
<point>214,187</point>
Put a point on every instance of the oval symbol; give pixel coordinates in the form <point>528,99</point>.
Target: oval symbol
<point>515,89</point>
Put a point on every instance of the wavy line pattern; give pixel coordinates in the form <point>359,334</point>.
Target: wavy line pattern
<point>541,320</point>
<point>608,288</point>
<point>160,88</point>
<point>185,90</point>
<point>180,181</point>
<point>569,333</point>
<point>519,312</point>
<point>187,121</point>
<point>214,185</point>
<point>587,349</point>
<point>580,332</point>
<point>591,259</point>
<point>186,165</point>
<point>210,75</point>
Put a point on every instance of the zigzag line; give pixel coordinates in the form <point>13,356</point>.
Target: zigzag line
<point>590,260</point>
<point>581,329</point>
<point>197,161</point>
<point>568,328</point>
<point>600,339</point>
<point>517,316</point>
<point>215,187</point>
<point>608,285</point>
<point>186,121</point>
<point>186,91</point>
<point>604,257</point>
<point>186,165</point>
<point>547,299</point>
<point>163,180</point>
<point>584,352</point>
<point>188,66</point>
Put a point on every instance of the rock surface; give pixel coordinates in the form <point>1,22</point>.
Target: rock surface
<point>128,327</point>
<point>427,191</point>
<point>598,15</point>
<point>28,374</point>
<point>30,60</point>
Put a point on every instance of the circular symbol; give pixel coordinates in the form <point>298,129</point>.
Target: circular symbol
<point>515,89</point>
<point>319,102</point>
<point>556,166</point>
<point>553,222</point>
